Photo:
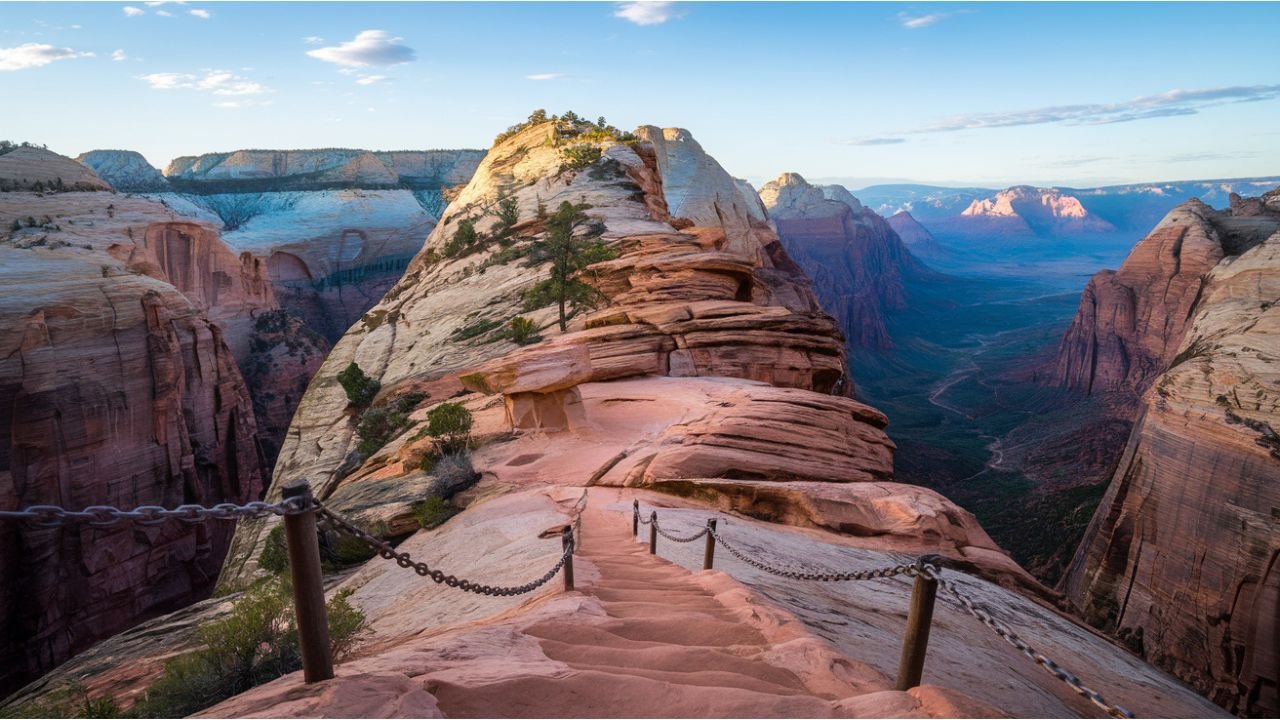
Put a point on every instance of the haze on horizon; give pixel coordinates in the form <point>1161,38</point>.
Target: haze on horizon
<point>955,94</point>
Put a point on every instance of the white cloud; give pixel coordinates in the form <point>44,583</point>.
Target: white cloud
<point>217,82</point>
<point>648,12</point>
<point>158,3</point>
<point>35,55</point>
<point>370,47</point>
<point>545,76</point>
<point>119,55</point>
<point>370,79</point>
<point>313,39</point>
<point>1173,103</point>
<point>914,22</point>
<point>202,14</point>
<point>131,11</point>
<point>164,13</point>
<point>235,104</point>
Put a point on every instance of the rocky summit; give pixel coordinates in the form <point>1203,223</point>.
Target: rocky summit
<point>858,263</point>
<point>1180,559</point>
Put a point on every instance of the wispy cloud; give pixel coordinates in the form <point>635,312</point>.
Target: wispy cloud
<point>202,14</point>
<point>875,141</point>
<point>131,11</point>
<point>313,39</point>
<point>370,79</point>
<point>648,12</point>
<point>1173,103</point>
<point>164,13</point>
<point>545,76</point>
<point>33,55</point>
<point>370,47</point>
<point>119,55</point>
<point>216,82</point>
<point>236,104</point>
<point>914,22</point>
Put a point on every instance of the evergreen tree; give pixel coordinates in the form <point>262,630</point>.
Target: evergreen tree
<point>572,243</point>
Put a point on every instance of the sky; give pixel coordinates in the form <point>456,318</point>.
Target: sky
<point>989,94</point>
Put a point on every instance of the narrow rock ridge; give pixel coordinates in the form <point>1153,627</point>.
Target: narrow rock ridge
<point>706,329</point>
<point>1180,559</point>
<point>125,170</point>
<point>858,264</point>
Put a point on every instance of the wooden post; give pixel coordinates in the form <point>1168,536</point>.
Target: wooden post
<point>709,554</point>
<point>566,539</point>
<point>308,588</point>
<point>916,640</point>
<point>635,518</point>
<point>653,533</point>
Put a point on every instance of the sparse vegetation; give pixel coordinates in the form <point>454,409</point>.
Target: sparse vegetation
<point>360,388</point>
<point>572,243</point>
<point>256,643</point>
<point>569,125</point>
<point>524,331</point>
<point>474,329</point>
<point>450,424</point>
<point>433,511</point>
<point>379,425</point>
<point>579,156</point>
<point>465,239</point>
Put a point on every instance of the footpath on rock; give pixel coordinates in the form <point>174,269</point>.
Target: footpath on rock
<point>643,636</point>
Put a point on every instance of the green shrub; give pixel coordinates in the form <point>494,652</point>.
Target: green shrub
<point>524,331</point>
<point>256,643</point>
<point>450,424</point>
<point>508,215</point>
<point>579,156</point>
<point>343,550</point>
<point>478,327</point>
<point>275,554</point>
<point>464,239</point>
<point>69,701</point>
<point>379,425</point>
<point>433,511</point>
<point>360,388</point>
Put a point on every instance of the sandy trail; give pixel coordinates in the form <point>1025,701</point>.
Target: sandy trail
<point>667,648</point>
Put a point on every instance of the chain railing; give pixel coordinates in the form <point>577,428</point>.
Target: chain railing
<point>107,516</point>
<point>928,578</point>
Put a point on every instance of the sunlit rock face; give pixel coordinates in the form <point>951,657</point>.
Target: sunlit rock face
<point>858,264</point>
<point>36,169</point>
<point>336,227</point>
<point>119,385</point>
<point>125,170</point>
<point>1180,559</point>
<point>700,306</point>
<point>1026,210</point>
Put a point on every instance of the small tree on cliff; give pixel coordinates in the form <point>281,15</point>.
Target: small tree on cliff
<point>360,387</point>
<point>572,243</point>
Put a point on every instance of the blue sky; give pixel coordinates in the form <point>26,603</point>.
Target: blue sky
<point>991,94</point>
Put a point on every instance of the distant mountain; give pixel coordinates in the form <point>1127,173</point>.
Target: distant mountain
<point>1126,208</point>
<point>125,170</point>
<point>917,237</point>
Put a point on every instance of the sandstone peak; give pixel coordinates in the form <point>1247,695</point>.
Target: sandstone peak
<point>34,168</point>
<point>125,170</point>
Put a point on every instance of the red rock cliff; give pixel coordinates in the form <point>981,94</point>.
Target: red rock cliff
<point>1180,560</point>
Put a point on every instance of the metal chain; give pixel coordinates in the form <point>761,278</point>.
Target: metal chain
<point>676,538</point>
<point>404,560</point>
<point>1013,639</point>
<point>107,516</point>
<point>886,572</point>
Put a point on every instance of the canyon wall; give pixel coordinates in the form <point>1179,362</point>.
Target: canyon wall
<point>703,335</point>
<point>858,264</point>
<point>1180,560</point>
<point>116,388</point>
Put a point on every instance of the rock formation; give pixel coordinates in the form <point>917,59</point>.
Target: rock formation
<point>336,227</point>
<point>1180,560</point>
<point>33,168</point>
<point>1025,210</point>
<point>116,388</point>
<point>916,237</point>
<point>125,170</point>
<point>858,264</point>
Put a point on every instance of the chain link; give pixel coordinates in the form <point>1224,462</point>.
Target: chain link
<point>404,560</point>
<point>107,516</point>
<point>1011,637</point>
<point>886,572</point>
<point>678,539</point>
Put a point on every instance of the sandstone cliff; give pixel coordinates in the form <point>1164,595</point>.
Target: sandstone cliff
<point>317,169</point>
<point>706,334</point>
<point>115,389</point>
<point>858,264</point>
<point>125,170</point>
<point>33,168</point>
<point>1180,558</point>
<point>1024,211</point>
<point>916,237</point>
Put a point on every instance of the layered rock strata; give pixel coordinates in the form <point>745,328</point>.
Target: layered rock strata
<point>116,388</point>
<point>1180,560</point>
<point>858,264</point>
